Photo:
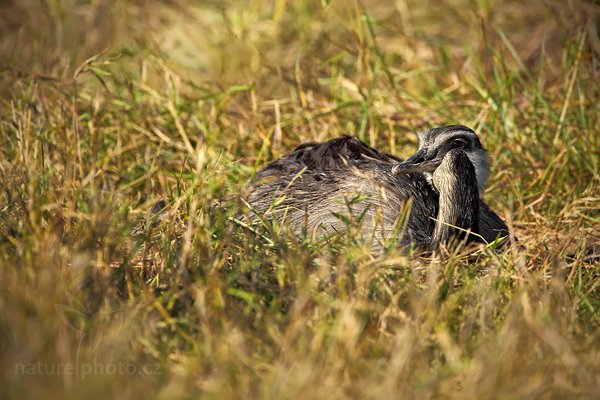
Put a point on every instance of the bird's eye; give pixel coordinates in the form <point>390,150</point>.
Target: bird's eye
<point>459,144</point>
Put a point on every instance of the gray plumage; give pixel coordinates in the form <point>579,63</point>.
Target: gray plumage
<point>428,200</point>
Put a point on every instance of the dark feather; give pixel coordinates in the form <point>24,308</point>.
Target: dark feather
<point>310,187</point>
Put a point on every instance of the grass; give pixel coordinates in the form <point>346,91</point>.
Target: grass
<point>108,107</point>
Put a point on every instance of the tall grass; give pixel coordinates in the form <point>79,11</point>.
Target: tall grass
<point>108,107</point>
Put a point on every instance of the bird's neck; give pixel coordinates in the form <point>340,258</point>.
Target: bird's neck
<point>458,211</point>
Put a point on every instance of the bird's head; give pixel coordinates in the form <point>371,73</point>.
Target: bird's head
<point>435,143</point>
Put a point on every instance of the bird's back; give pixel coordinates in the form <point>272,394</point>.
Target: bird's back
<point>320,187</point>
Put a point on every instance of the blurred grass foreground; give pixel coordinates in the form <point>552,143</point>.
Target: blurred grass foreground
<point>108,107</point>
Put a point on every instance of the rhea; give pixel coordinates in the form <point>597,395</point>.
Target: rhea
<point>429,200</point>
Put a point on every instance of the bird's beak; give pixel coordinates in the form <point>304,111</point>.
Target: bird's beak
<point>421,161</point>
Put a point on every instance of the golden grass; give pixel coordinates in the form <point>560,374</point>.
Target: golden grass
<point>109,106</point>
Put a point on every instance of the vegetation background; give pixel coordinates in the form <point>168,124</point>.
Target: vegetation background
<point>108,107</point>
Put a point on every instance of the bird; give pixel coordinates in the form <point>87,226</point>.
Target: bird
<point>429,201</point>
